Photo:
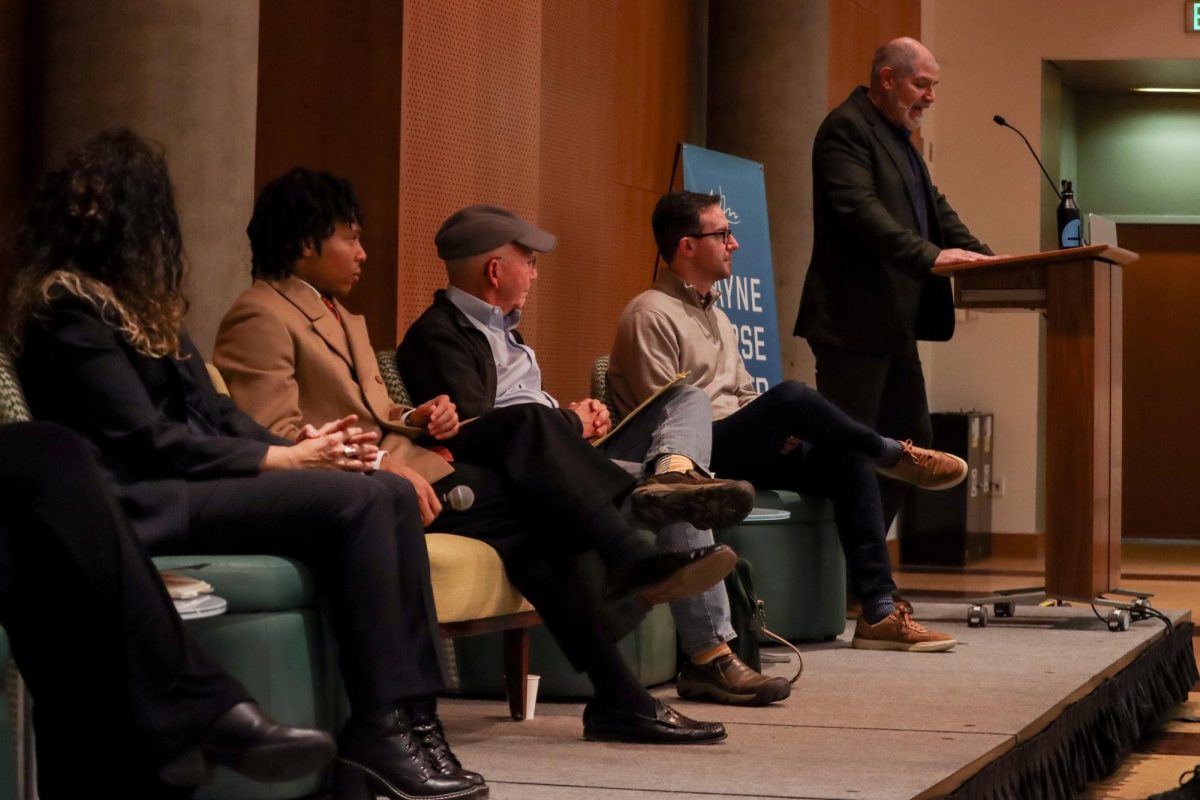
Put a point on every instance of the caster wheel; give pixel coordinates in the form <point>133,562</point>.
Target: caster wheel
<point>977,617</point>
<point>1005,609</point>
<point>1118,620</point>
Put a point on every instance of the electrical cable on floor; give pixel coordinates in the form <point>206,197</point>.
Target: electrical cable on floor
<point>1140,613</point>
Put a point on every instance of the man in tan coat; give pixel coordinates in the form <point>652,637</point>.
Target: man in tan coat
<point>290,352</point>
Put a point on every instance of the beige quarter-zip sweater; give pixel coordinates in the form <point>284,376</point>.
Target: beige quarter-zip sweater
<point>666,330</point>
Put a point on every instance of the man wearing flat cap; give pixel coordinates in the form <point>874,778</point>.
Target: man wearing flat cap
<point>466,346</point>
<point>291,352</point>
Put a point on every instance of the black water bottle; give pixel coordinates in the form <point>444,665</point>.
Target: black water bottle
<point>1070,229</point>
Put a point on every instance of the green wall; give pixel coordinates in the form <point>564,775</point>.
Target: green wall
<point>1138,154</point>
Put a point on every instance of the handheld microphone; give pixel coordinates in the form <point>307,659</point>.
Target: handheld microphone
<point>460,498</point>
<point>999,120</point>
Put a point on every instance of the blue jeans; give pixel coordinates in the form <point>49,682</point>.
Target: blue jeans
<point>835,460</point>
<point>679,422</point>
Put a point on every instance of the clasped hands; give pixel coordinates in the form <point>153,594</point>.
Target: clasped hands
<point>594,416</point>
<point>335,445</point>
<point>439,417</point>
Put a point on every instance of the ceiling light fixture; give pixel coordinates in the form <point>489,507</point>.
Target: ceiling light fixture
<point>1165,90</point>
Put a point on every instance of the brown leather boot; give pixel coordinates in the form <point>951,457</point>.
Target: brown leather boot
<point>727,679</point>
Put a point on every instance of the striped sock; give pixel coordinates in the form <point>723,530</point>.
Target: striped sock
<point>878,608</point>
<point>672,462</point>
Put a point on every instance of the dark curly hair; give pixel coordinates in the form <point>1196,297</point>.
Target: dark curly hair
<point>103,227</point>
<point>297,209</point>
<point>678,215</point>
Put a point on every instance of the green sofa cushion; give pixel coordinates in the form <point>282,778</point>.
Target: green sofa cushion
<point>250,584</point>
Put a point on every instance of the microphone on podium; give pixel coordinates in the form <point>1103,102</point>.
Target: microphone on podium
<point>999,120</point>
<point>460,498</point>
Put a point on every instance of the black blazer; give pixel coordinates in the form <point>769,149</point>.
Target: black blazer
<point>153,423</point>
<point>869,286</point>
<point>443,353</point>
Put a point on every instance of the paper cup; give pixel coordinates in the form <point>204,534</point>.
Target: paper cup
<point>531,690</point>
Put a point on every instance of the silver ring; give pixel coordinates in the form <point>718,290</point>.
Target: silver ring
<point>348,451</point>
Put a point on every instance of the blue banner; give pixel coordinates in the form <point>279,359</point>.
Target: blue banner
<point>747,296</point>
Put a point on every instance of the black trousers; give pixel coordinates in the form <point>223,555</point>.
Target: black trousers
<point>362,537</point>
<point>119,688</point>
<point>549,471</point>
<point>538,564</point>
<point>883,392</point>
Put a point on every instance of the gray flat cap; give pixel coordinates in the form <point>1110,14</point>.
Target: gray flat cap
<point>478,229</point>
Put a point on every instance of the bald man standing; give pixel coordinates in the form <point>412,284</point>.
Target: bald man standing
<point>880,226</point>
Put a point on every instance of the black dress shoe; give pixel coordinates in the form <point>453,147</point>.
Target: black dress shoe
<point>667,726</point>
<point>432,737</point>
<point>380,756</point>
<point>248,741</point>
<point>673,575</point>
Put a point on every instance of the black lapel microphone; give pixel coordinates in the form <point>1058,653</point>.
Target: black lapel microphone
<point>999,120</point>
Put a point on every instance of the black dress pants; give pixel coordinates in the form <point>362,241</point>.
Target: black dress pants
<point>538,564</point>
<point>362,537</point>
<point>119,688</point>
<point>551,472</point>
<point>883,392</point>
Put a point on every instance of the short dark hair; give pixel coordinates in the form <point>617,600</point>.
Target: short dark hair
<point>678,215</point>
<point>294,210</point>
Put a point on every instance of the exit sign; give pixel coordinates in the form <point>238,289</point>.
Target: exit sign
<point>1191,16</point>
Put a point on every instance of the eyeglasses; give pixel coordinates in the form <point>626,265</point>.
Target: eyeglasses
<point>724,233</point>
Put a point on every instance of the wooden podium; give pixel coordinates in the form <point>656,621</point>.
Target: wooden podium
<point>1080,291</point>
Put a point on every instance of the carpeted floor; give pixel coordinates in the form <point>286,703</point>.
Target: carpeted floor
<point>860,724</point>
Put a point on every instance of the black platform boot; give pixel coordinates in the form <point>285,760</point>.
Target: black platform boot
<point>428,731</point>
<point>378,754</point>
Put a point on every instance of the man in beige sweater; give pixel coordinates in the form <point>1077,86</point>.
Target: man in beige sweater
<point>790,436</point>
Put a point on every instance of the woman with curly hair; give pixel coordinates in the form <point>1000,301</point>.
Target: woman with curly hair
<point>97,311</point>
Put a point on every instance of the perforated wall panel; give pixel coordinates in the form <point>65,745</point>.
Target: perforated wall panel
<point>567,112</point>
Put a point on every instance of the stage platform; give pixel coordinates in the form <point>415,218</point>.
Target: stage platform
<point>1025,708</point>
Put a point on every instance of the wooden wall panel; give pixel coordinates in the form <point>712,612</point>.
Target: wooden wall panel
<point>569,118</point>
<point>856,28</point>
<point>470,127</point>
<point>329,98</point>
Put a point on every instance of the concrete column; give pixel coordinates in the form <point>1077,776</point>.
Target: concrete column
<point>183,73</point>
<point>767,86</point>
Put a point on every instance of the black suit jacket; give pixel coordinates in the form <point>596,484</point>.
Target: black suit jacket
<point>443,353</point>
<point>869,286</point>
<point>153,423</point>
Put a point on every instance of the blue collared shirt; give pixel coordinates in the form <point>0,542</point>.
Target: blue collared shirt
<point>518,376</point>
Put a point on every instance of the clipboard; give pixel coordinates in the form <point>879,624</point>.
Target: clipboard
<point>679,378</point>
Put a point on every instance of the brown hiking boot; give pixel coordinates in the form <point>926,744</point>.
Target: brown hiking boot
<point>691,497</point>
<point>727,679</point>
<point>899,631</point>
<point>926,469</point>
